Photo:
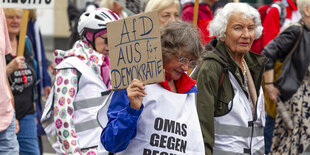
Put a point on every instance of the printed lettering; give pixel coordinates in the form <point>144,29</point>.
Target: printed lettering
<point>158,125</point>
<point>147,152</point>
<point>153,140</point>
<point>184,132</point>
<point>25,1</point>
<point>169,142</point>
<point>154,152</point>
<point>169,126</point>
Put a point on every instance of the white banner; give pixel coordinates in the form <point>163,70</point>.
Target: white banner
<point>27,4</point>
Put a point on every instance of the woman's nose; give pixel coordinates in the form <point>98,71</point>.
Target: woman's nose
<point>185,66</point>
<point>173,18</point>
<point>246,33</point>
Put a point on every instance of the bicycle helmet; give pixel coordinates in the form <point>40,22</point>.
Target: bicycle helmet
<point>95,21</point>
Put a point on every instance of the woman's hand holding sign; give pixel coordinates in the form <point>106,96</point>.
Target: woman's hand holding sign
<point>136,93</point>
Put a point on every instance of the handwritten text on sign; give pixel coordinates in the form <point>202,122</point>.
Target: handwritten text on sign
<point>135,50</point>
<point>27,4</point>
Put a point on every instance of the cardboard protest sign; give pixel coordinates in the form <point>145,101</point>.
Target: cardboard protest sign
<point>27,4</point>
<point>135,50</point>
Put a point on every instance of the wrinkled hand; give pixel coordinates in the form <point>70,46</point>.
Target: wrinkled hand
<point>16,126</point>
<point>273,92</point>
<point>16,64</point>
<point>47,91</point>
<point>135,92</point>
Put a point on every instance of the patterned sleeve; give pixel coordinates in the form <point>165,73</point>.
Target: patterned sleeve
<point>66,85</point>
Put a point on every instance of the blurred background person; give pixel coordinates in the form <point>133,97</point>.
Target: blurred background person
<point>292,13</point>
<point>168,10</point>
<point>230,101</point>
<point>115,7</point>
<point>22,78</point>
<point>44,79</point>
<point>8,140</point>
<point>74,15</point>
<point>292,87</point>
<point>205,15</point>
<point>82,75</point>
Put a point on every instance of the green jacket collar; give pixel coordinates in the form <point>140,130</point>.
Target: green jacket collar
<point>254,61</point>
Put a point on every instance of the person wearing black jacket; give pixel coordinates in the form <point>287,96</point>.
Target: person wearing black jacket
<point>293,85</point>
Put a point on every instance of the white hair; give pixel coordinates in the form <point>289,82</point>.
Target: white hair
<point>219,23</point>
<point>301,4</point>
<point>160,5</point>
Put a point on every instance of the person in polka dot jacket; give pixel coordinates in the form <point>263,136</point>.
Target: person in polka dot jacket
<point>82,74</point>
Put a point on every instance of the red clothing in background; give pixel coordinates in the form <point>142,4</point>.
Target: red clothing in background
<point>204,17</point>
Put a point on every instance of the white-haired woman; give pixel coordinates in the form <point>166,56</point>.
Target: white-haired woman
<point>230,99</point>
<point>168,10</point>
<point>293,85</point>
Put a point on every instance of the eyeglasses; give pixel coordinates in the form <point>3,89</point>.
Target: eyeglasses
<point>105,39</point>
<point>185,61</point>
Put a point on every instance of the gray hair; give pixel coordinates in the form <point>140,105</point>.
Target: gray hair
<point>301,4</point>
<point>219,23</point>
<point>179,36</point>
<point>160,5</point>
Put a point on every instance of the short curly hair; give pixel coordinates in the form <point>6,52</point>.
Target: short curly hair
<point>219,23</point>
<point>179,36</point>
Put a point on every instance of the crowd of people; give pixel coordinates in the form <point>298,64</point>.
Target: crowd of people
<point>248,92</point>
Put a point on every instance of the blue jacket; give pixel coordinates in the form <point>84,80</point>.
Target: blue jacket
<point>122,124</point>
<point>42,74</point>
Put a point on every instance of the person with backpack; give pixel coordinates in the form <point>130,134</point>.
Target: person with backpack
<point>22,78</point>
<point>291,47</point>
<point>82,78</point>
<point>230,101</point>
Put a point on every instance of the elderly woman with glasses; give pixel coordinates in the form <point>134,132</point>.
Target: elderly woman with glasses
<point>159,118</point>
<point>230,101</point>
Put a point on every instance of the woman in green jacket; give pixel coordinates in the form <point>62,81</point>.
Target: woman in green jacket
<point>230,99</point>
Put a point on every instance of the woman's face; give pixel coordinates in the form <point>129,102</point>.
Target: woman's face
<point>169,14</point>
<point>14,23</point>
<point>240,33</point>
<point>101,43</point>
<point>176,66</point>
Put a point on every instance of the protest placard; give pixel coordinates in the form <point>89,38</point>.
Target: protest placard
<point>135,50</point>
<point>27,4</point>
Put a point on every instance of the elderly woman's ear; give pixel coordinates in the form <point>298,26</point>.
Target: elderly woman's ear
<point>306,10</point>
<point>222,39</point>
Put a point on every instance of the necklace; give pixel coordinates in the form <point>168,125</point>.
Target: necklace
<point>244,66</point>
